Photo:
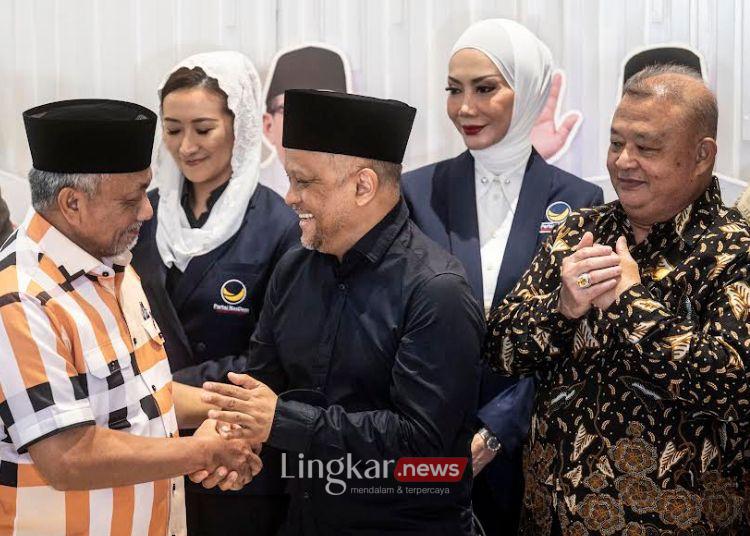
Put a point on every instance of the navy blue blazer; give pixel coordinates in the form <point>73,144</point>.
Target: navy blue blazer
<point>442,201</point>
<point>208,322</point>
<point>199,325</point>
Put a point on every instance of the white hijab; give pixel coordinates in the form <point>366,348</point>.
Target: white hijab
<point>176,240</point>
<point>526,64</point>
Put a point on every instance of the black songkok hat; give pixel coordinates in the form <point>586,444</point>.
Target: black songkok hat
<point>341,123</point>
<point>661,56</point>
<point>307,68</point>
<point>90,136</point>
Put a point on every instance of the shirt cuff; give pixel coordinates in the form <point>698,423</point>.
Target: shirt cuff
<point>549,316</point>
<point>32,429</point>
<point>634,316</point>
<point>508,415</point>
<point>293,425</point>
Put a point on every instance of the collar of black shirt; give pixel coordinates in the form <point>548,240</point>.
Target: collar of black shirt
<point>690,223</point>
<point>187,199</point>
<point>375,242</point>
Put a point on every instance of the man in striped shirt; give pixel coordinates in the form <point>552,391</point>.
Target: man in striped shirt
<point>88,410</point>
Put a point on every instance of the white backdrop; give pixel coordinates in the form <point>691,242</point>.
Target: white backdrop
<point>57,49</point>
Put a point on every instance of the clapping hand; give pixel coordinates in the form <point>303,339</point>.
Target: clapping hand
<point>591,271</point>
<point>594,275</point>
<point>629,275</point>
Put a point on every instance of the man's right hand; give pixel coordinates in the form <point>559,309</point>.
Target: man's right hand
<point>600,263</point>
<point>230,463</point>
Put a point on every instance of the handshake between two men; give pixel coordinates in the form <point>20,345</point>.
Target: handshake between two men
<point>594,275</point>
<point>244,421</point>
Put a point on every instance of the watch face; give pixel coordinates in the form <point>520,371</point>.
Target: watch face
<point>493,444</point>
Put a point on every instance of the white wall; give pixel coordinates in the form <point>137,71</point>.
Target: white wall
<point>56,49</point>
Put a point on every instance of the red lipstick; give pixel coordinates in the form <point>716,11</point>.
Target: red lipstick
<point>472,130</point>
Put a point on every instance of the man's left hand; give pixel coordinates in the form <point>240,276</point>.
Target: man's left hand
<point>629,276</point>
<point>248,403</point>
<point>480,454</point>
<point>221,476</point>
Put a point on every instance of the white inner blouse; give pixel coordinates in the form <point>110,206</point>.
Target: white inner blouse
<point>496,197</point>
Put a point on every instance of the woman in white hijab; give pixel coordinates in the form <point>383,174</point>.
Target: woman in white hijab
<point>206,257</point>
<point>491,207</point>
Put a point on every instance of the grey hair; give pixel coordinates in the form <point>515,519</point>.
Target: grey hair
<point>702,109</point>
<point>46,185</point>
<point>387,172</point>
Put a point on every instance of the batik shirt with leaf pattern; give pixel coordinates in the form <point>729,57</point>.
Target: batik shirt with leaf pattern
<point>641,416</point>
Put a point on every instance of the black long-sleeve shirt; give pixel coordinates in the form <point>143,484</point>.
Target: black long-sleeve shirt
<point>376,357</point>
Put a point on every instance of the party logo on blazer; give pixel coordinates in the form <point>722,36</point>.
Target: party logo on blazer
<point>556,214</point>
<point>233,293</point>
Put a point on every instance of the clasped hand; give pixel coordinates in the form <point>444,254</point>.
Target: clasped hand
<point>245,413</point>
<point>230,463</point>
<point>595,276</point>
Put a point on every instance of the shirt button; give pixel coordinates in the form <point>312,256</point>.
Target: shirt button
<point>306,495</point>
<point>342,286</point>
<point>484,180</point>
<point>105,274</point>
<point>171,435</point>
<point>200,347</point>
<point>153,388</point>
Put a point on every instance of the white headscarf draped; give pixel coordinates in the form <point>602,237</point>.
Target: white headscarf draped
<point>176,240</point>
<point>526,64</point>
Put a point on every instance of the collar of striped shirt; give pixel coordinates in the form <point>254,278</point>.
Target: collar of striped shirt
<point>68,255</point>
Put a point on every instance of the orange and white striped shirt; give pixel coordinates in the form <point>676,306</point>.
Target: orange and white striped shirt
<point>78,346</point>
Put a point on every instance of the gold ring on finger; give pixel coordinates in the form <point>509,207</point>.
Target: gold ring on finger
<point>584,280</point>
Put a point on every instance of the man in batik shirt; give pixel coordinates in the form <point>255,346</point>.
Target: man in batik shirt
<point>743,204</point>
<point>634,320</point>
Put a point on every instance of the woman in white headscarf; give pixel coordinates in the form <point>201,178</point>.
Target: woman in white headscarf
<point>491,207</point>
<point>206,256</point>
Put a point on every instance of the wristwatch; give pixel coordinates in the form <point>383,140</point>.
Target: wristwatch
<point>490,441</point>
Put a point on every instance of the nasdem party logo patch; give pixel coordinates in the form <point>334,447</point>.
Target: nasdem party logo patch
<point>233,292</point>
<point>558,212</point>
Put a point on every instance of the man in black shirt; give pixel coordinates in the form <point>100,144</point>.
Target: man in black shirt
<point>370,337</point>
<point>6,227</point>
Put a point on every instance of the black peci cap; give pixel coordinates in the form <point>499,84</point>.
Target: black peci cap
<point>661,56</point>
<point>341,123</point>
<point>307,68</point>
<point>90,136</point>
